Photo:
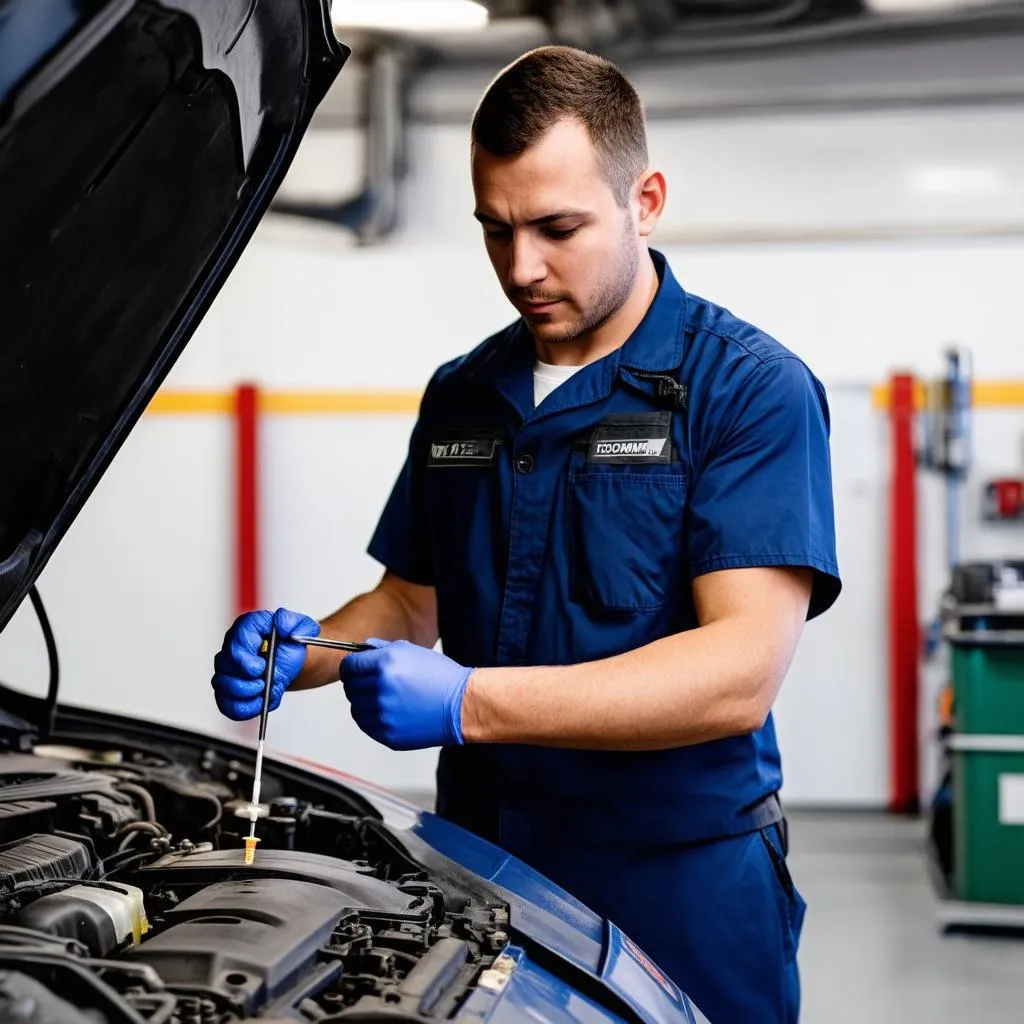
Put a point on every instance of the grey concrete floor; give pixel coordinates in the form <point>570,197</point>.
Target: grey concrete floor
<point>872,950</point>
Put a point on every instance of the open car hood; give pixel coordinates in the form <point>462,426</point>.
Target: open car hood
<point>141,141</point>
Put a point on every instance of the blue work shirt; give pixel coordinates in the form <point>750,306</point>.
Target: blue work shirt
<point>573,531</point>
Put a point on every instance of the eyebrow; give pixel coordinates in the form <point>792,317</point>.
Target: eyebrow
<point>548,218</point>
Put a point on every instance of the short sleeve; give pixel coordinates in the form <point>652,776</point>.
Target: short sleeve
<point>400,542</point>
<point>763,493</point>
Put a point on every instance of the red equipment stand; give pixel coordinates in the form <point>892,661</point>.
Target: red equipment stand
<point>247,412</point>
<point>904,626</point>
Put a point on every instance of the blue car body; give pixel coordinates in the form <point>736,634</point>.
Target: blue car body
<point>545,914</point>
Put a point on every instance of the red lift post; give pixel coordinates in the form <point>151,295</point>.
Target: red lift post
<point>904,626</point>
<point>247,412</point>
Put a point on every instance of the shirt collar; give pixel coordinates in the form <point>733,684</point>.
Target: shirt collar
<point>657,343</point>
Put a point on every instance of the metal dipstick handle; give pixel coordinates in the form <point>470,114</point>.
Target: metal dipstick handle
<point>334,645</point>
<point>268,685</point>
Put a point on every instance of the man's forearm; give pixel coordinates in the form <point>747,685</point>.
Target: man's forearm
<point>380,613</point>
<point>690,688</point>
<point>701,685</point>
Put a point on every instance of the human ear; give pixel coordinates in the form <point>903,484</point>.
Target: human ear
<point>650,196</point>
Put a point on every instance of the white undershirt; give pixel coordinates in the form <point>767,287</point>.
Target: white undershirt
<point>547,377</point>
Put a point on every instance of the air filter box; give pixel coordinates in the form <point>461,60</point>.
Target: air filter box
<point>42,858</point>
<point>20,816</point>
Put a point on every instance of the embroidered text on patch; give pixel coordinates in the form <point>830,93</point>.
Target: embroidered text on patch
<point>471,451</point>
<point>639,438</point>
<point>649,447</point>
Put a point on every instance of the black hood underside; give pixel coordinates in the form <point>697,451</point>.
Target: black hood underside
<point>140,144</point>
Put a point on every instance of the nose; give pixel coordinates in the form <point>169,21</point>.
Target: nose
<point>526,264</point>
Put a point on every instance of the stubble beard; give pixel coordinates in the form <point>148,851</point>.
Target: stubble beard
<point>608,297</point>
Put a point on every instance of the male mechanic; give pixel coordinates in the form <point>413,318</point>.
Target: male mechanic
<point>617,515</point>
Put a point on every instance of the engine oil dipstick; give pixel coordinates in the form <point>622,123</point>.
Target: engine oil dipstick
<point>268,681</point>
<point>321,641</point>
<point>334,645</point>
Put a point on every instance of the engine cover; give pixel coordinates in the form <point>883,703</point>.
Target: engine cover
<point>251,939</point>
<point>358,887</point>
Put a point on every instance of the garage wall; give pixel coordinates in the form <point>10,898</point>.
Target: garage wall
<point>866,240</point>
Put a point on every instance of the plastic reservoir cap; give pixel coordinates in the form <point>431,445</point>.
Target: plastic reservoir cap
<point>251,811</point>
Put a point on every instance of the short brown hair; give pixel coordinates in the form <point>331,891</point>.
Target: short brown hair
<point>554,82</point>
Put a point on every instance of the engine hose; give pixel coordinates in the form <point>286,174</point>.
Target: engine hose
<point>142,826</point>
<point>132,829</point>
<point>145,798</point>
<point>119,860</point>
<point>214,802</point>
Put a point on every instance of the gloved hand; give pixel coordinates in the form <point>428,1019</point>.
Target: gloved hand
<point>239,666</point>
<point>405,696</point>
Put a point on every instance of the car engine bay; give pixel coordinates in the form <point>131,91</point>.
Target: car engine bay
<point>124,897</point>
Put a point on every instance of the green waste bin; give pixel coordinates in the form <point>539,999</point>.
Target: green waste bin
<point>988,682</point>
<point>988,765</point>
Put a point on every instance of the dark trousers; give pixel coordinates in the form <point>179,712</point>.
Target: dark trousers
<point>721,918</point>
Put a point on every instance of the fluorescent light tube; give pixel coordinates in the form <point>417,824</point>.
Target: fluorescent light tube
<point>409,15</point>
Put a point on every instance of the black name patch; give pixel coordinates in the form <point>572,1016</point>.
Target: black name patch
<point>464,448</point>
<point>641,439</point>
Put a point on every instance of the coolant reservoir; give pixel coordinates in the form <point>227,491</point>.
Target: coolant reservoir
<point>133,905</point>
<point>103,918</point>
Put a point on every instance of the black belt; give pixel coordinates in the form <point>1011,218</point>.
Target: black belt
<point>768,812</point>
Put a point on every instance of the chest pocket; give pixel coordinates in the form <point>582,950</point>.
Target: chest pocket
<point>626,514</point>
<point>462,489</point>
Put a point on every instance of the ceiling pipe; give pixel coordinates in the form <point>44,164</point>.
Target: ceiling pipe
<point>373,213</point>
<point>647,29</point>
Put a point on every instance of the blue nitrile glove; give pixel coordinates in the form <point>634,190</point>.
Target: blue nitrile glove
<point>405,696</point>
<point>239,667</point>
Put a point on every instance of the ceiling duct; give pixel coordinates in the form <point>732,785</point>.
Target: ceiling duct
<point>617,26</point>
<point>372,214</point>
<point>636,29</point>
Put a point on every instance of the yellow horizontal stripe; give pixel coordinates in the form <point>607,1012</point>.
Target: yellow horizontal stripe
<point>985,394</point>
<point>286,403</point>
<point>990,394</point>
<point>298,403</point>
<point>999,393</point>
<point>192,403</point>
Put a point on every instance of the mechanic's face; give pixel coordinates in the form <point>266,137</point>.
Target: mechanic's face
<point>565,252</point>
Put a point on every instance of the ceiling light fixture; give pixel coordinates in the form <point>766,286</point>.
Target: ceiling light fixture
<point>932,7</point>
<point>409,15</point>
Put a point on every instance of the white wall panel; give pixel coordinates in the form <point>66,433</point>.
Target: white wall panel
<point>832,712</point>
<point>861,172</point>
<point>138,590</point>
<point>327,479</point>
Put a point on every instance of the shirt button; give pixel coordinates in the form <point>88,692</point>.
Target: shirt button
<point>524,463</point>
